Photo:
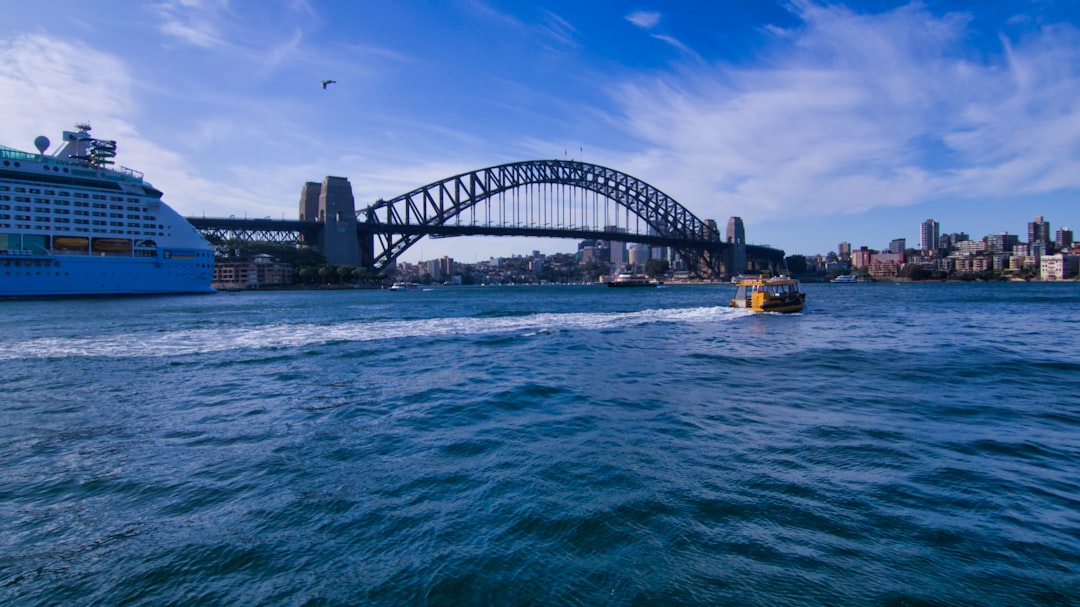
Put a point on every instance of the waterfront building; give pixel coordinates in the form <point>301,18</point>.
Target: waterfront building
<point>231,273</point>
<point>1059,267</point>
<point>929,236</point>
<point>898,245</point>
<point>886,264</point>
<point>1063,238</point>
<point>432,269</point>
<point>862,257</point>
<point>1038,230</point>
<point>970,247</point>
<point>446,266</point>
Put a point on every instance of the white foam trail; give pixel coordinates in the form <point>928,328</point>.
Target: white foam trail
<point>218,339</point>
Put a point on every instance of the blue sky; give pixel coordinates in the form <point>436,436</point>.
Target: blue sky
<point>815,122</point>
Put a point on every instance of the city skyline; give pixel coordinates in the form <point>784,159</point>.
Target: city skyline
<point>816,123</point>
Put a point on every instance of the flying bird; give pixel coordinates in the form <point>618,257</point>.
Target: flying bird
<point>328,82</point>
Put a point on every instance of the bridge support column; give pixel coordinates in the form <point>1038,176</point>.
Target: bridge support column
<point>332,204</point>
<point>366,239</point>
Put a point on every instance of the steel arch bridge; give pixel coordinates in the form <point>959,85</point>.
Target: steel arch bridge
<point>542,198</point>
<point>546,198</point>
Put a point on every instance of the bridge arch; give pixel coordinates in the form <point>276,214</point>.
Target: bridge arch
<point>446,201</point>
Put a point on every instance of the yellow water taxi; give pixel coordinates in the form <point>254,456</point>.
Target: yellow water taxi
<point>764,294</point>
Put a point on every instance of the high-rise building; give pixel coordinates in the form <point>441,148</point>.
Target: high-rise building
<point>1001,243</point>
<point>843,250</point>
<point>1038,230</point>
<point>618,248</point>
<point>639,256</point>
<point>1063,238</point>
<point>898,245</point>
<point>929,235</point>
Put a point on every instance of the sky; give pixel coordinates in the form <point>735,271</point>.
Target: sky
<point>816,122</point>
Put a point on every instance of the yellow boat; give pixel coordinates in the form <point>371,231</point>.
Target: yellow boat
<point>764,294</point>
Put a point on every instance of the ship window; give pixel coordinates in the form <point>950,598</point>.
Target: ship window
<point>35,191</point>
<point>20,189</point>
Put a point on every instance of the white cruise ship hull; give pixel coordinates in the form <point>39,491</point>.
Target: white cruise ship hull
<point>67,275</point>
<point>72,224</point>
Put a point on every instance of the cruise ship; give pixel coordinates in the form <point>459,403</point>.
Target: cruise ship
<point>71,223</point>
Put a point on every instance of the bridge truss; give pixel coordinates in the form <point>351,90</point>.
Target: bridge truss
<point>541,198</point>
<point>218,230</point>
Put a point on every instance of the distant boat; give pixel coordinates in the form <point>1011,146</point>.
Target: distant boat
<point>844,279</point>
<point>404,286</point>
<point>630,281</point>
<point>765,294</point>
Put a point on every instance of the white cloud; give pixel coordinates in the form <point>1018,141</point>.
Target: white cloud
<point>855,111</point>
<point>644,19</point>
<point>192,21</point>
<point>52,84</point>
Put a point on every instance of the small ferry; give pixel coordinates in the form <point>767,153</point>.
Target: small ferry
<point>625,280</point>
<point>764,294</point>
<point>844,279</point>
<point>404,286</point>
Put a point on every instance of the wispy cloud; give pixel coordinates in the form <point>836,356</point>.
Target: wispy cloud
<point>648,20</point>
<point>39,77</point>
<point>192,21</point>
<point>854,111</point>
<point>559,29</point>
<point>644,19</point>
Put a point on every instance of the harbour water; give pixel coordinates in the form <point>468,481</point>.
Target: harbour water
<point>912,444</point>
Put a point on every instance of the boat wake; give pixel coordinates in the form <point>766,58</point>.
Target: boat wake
<point>203,340</point>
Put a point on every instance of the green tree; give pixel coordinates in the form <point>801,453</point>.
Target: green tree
<point>657,267</point>
<point>796,264</point>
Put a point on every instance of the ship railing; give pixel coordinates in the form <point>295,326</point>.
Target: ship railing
<point>13,154</point>
<point>126,172</point>
<point>6,152</point>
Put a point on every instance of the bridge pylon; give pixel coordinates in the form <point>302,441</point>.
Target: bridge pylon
<point>331,203</point>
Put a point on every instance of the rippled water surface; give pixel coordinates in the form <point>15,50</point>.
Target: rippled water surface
<point>911,444</point>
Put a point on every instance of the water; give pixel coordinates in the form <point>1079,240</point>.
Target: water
<point>897,445</point>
